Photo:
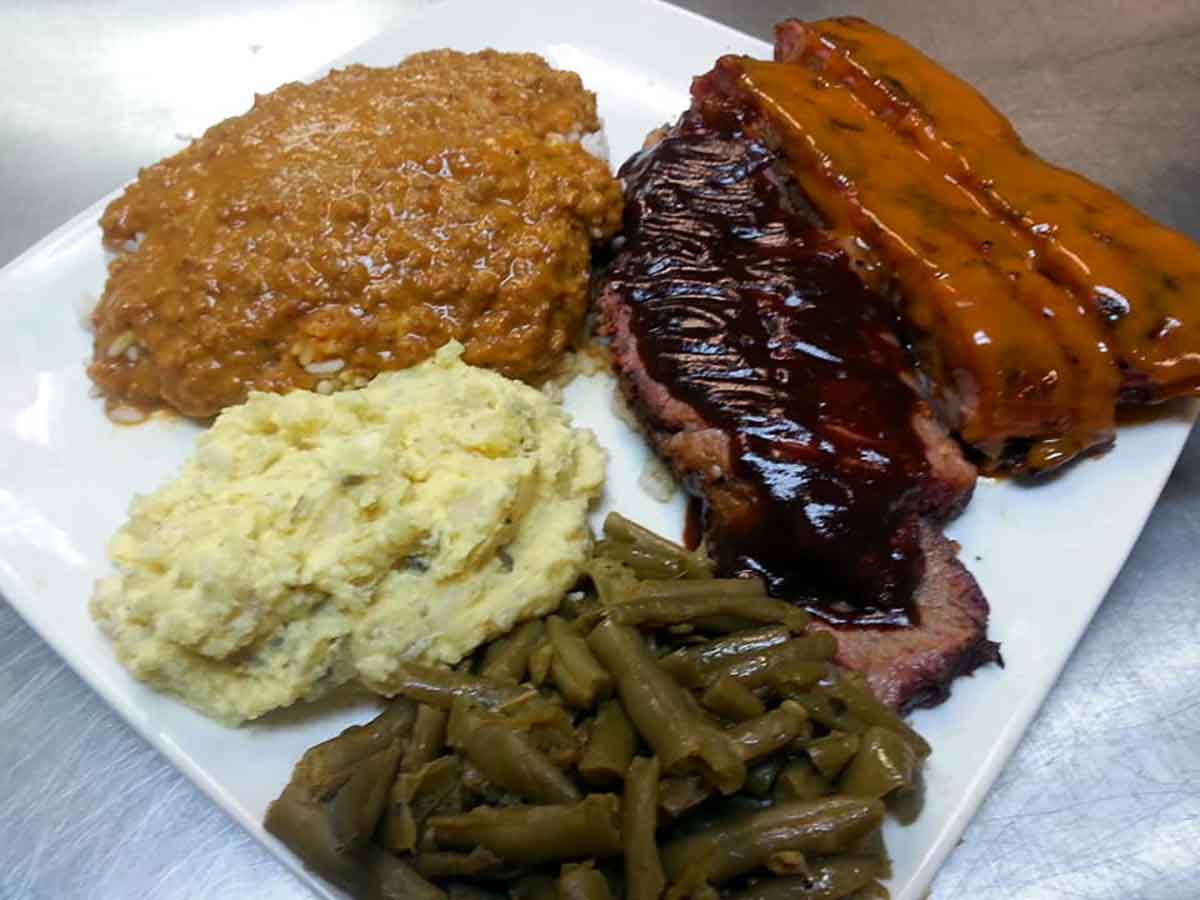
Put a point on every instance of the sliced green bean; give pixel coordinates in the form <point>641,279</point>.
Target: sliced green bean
<point>576,673</point>
<point>485,792</point>
<point>771,731</point>
<point>828,878</point>
<point>788,862</point>
<point>864,705</point>
<point>824,710</point>
<point>679,795</point>
<point>610,579</point>
<point>610,747</point>
<point>798,677</point>
<point>576,604</point>
<point>731,699</point>
<point>831,753</point>
<point>691,665</point>
<point>746,841</point>
<point>536,834</point>
<point>582,882</point>
<point>800,780</point>
<point>438,865</point>
<point>323,767</point>
<point>540,661</point>
<point>760,777</point>
<point>885,762</point>
<point>328,811</point>
<point>644,877</point>
<point>662,712</point>
<point>762,667</point>
<point>507,659</point>
<point>717,605</point>
<point>438,687</point>
<point>507,757</point>
<point>428,738</point>
<point>664,555</point>
<point>434,788</point>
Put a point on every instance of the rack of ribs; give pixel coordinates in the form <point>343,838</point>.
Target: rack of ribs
<point>1034,299</point>
<point>775,384</point>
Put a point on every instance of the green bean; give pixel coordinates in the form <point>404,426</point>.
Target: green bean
<point>324,767</point>
<point>507,659</point>
<point>831,753</point>
<point>326,815</point>
<point>536,834</point>
<point>415,796</point>
<point>438,865</point>
<point>428,738</point>
<point>644,564</point>
<point>826,879</point>
<point>662,712</point>
<point>438,687</point>
<point>800,780</point>
<point>718,605</point>
<point>679,796</point>
<point>610,748</point>
<point>770,732</point>
<point>762,667</point>
<point>506,757</point>
<point>610,579</point>
<point>787,862</point>
<point>760,777</point>
<point>747,841</point>
<point>885,762</point>
<point>540,661</point>
<point>861,703</point>
<point>397,880</point>
<point>798,677</point>
<point>731,699</point>
<point>576,604</point>
<point>482,791</point>
<point>821,709</point>
<point>576,673</point>
<point>667,555</point>
<point>691,664</point>
<point>644,878</point>
<point>582,882</point>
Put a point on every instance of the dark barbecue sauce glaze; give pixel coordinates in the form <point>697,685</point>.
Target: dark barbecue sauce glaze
<point>742,307</point>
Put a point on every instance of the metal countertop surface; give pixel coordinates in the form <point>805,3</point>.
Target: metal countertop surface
<point>1101,800</point>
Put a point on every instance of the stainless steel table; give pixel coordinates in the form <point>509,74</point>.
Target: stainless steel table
<point>1101,800</point>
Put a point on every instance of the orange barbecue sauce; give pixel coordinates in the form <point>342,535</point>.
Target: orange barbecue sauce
<point>1038,299</point>
<point>1015,355</point>
<point>1140,280</point>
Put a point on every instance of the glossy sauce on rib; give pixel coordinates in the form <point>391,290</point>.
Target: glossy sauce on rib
<point>1140,279</point>
<point>757,323</point>
<point>1015,355</point>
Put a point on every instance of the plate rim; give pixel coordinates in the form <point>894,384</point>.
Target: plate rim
<point>931,857</point>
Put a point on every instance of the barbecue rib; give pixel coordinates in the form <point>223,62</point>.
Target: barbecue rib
<point>1034,299</point>
<point>1139,279</point>
<point>774,383</point>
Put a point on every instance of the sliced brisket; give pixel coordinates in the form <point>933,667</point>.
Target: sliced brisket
<point>775,385</point>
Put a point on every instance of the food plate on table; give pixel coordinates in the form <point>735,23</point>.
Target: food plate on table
<point>1043,555</point>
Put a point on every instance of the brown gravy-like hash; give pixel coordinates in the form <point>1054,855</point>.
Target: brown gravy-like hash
<point>353,225</point>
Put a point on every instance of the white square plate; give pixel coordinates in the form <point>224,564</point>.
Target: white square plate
<point>1045,556</point>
